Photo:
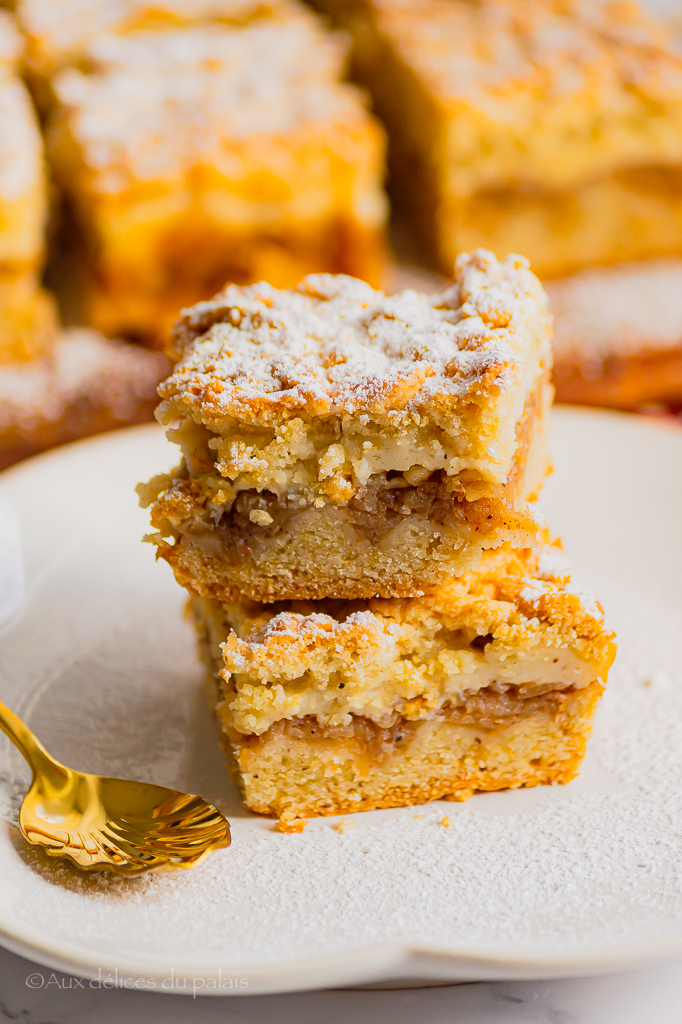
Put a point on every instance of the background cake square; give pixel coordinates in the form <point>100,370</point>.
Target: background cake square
<point>26,316</point>
<point>193,156</point>
<point>554,130</point>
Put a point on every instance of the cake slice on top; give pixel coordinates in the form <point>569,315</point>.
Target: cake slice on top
<point>340,442</point>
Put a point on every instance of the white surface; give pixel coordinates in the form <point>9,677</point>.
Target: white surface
<point>562,880</point>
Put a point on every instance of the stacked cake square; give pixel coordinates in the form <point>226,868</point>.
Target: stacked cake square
<point>383,617</point>
<point>198,143</point>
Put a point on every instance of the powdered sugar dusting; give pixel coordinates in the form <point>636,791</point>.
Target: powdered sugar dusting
<point>534,590</point>
<point>553,561</point>
<point>335,344</point>
<point>616,312</point>
<point>587,599</point>
<point>61,31</point>
<point>82,367</point>
<point>162,103</point>
<point>487,55</point>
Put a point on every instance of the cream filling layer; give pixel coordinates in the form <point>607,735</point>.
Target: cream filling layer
<point>403,688</point>
<point>321,462</point>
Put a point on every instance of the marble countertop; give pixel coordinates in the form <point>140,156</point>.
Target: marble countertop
<point>36,995</point>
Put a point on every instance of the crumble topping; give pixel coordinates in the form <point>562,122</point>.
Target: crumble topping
<point>336,346</point>
<point>620,312</point>
<point>504,46</point>
<point>160,104</point>
<point>500,626</point>
<point>61,31</point>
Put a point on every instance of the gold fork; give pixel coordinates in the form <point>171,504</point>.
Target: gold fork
<point>104,823</point>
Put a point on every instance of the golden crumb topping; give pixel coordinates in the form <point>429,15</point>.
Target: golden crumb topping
<point>335,346</point>
<point>168,106</point>
<point>516,621</point>
<point>59,33</point>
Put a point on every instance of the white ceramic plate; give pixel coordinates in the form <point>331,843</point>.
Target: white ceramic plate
<point>551,881</point>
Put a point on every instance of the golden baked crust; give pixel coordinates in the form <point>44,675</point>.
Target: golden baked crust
<point>83,384</point>
<point>339,442</point>
<point>59,34</point>
<point>487,682</point>
<point>243,157</point>
<point>618,335</point>
<point>527,125</point>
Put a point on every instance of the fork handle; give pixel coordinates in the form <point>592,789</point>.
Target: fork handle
<point>26,742</point>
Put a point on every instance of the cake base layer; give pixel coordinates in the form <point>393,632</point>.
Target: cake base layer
<point>297,770</point>
<point>322,558</point>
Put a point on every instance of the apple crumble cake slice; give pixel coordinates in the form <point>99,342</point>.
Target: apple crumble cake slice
<point>551,129</point>
<point>196,155</point>
<point>488,682</point>
<point>340,442</point>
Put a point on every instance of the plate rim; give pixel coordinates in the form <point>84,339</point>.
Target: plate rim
<point>380,962</point>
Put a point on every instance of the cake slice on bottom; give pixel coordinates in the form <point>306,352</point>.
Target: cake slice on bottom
<point>489,682</point>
